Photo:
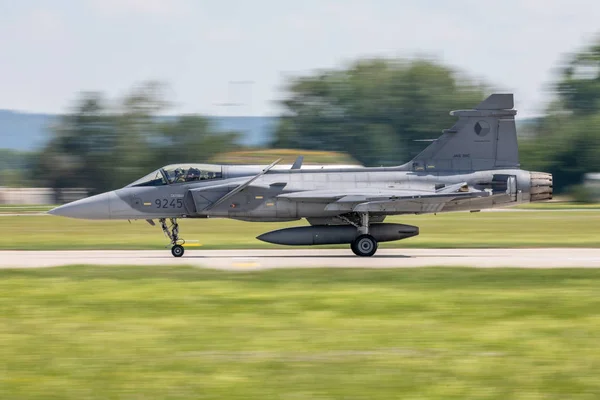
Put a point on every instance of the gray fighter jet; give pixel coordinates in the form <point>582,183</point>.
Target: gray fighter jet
<point>474,165</point>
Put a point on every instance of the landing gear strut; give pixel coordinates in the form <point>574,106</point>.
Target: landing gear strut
<point>173,235</point>
<point>364,245</point>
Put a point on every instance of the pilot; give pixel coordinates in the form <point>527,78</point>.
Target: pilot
<point>193,174</point>
<point>179,175</point>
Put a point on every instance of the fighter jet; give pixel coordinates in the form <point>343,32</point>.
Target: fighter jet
<point>474,165</point>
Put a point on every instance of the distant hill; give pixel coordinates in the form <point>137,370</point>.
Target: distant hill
<point>23,131</point>
<point>28,131</point>
<point>256,131</point>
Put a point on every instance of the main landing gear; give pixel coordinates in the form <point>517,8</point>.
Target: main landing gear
<point>364,245</point>
<point>172,233</point>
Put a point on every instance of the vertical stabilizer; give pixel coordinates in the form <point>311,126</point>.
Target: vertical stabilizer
<point>482,138</point>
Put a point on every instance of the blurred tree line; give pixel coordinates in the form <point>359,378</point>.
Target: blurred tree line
<point>376,110</point>
<point>103,146</point>
<point>13,163</point>
<point>566,141</point>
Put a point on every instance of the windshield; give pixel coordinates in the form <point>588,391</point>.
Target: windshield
<point>180,173</point>
<point>152,179</point>
<point>192,172</point>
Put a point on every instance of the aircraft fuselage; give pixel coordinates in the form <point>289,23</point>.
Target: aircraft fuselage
<point>263,202</point>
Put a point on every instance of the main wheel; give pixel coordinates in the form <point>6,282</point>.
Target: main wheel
<point>177,250</point>
<point>364,246</point>
<point>353,247</point>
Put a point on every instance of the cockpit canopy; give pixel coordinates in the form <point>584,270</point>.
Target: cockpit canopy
<point>178,173</point>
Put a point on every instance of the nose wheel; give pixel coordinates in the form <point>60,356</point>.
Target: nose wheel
<point>172,233</point>
<point>177,250</point>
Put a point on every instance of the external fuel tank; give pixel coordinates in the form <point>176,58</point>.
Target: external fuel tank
<point>336,234</point>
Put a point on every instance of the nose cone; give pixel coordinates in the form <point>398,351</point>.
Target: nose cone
<point>94,207</point>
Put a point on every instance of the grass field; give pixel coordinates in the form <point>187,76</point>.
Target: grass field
<point>288,156</point>
<point>494,229</point>
<point>24,208</point>
<point>560,205</point>
<point>86,332</point>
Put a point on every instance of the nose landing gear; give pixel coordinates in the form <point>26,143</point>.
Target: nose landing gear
<point>173,234</point>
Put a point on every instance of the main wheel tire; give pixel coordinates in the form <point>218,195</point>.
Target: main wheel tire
<point>353,248</point>
<point>177,250</point>
<point>364,246</point>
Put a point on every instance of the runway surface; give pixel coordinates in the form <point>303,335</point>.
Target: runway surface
<point>311,257</point>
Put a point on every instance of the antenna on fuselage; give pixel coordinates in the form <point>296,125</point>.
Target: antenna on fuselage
<point>298,162</point>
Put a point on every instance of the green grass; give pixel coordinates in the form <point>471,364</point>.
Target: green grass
<point>24,208</point>
<point>288,156</point>
<point>501,229</point>
<point>560,205</point>
<point>86,332</point>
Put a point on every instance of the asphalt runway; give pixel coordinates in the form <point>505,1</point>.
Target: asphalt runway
<point>311,257</point>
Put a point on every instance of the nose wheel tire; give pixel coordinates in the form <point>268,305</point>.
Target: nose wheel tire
<point>364,246</point>
<point>177,250</point>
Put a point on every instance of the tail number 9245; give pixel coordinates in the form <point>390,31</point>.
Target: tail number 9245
<point>168,203</point>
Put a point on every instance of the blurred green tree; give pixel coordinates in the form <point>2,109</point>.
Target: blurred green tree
<point>15,167</point>
<point>190,138</point>
<point>566,142</point>
<point>80,153</point>
<point>102,147</point>
<point>375,109</point>
<point>579,84</point>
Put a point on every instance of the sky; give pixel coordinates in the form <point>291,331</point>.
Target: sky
<point>232,57</point>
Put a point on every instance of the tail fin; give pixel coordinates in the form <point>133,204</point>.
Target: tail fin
<point>482,138</point>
